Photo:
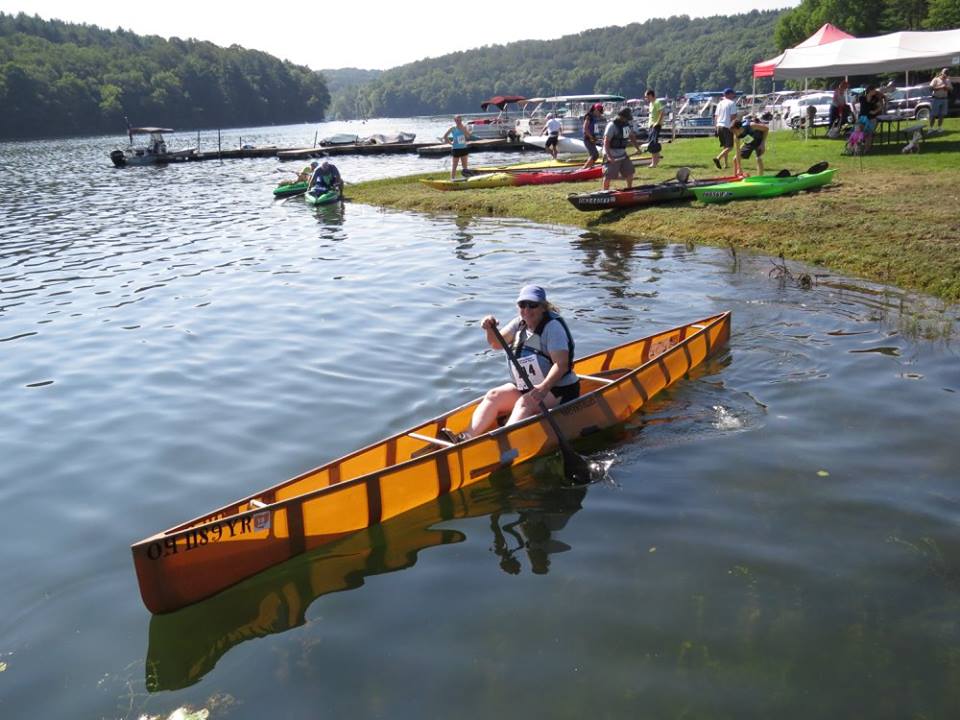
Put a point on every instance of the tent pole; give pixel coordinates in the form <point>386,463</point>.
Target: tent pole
<point>806,125</point>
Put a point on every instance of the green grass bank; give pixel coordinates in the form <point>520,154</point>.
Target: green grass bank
<point>887,217</point>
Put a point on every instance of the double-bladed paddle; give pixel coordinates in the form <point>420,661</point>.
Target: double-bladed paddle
<point>812,170</point>
<point>576,468</point>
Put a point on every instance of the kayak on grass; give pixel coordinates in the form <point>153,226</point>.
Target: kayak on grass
<point>199,558</point>
<point>535,165</point>
<point>649,194</point>
<point>473,182</point>
<point>765,186</point>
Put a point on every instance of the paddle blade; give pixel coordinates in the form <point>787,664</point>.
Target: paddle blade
<point>818,168</point>
<point>683,174</point>
<point>783,173</point>
<point>576,469</point>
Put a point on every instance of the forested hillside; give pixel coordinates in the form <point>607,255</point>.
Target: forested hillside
<point>64,79</point>
<point>866,18</point>
<point>672,56</point>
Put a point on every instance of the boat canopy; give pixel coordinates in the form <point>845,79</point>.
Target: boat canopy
<point>501,101</point>
<point>583,99</point>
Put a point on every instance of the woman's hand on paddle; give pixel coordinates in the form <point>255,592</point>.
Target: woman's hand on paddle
<point>489,322</point>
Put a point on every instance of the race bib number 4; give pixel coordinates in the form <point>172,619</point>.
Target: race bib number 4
<point>532,367</point>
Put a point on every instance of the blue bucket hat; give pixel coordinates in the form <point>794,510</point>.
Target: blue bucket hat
<point>728,91</point>
<point>532,293</point>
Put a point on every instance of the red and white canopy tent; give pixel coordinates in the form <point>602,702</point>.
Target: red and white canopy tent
<point>899,51</point>
<point>825,35</point>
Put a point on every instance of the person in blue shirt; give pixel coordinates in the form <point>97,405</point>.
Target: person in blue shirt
<point>325,178</point>
<point>457,136</point>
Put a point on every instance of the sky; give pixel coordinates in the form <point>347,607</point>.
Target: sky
<point>363,35</point>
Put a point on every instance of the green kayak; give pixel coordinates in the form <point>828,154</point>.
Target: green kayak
<point>289,190</point>
<point>330,196</point>
<point>763,186</point>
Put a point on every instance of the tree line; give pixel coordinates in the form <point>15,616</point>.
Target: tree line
<point>60,78</point>
<point>672,55</point>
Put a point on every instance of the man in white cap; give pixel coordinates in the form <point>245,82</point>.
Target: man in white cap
<point>725,116</point>
<point>552,129</point>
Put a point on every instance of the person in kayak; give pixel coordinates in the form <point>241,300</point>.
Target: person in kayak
<point>756,135</point>
<point>303,176</point>
<point>457,136</point>
<point>591,122</point>
<point>543,345</point>
<point>616,162</point>
<point>325,178</point>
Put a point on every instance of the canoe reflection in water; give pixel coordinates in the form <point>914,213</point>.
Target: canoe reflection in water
<point>185,645</point>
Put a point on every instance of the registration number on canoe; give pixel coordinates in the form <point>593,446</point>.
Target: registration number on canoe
<point>194,538</point>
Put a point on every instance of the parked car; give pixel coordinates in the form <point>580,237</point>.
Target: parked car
<point>795,110</point>
<point>914,102</point>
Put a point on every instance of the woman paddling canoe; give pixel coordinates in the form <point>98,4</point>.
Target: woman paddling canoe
<point>543,345</point>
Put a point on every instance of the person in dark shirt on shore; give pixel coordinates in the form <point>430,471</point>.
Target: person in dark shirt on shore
<point>871,106</point>
<point>590,123</point>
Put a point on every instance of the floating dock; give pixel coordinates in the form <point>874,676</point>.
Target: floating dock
<point>494,145</point>
<point>354,149</point>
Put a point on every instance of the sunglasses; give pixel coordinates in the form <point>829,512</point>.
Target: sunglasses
<point>527,305</point>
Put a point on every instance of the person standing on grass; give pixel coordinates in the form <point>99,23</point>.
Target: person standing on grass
<point>590,122</point>
<point>616,162</point>
<point>726,114</point>
<point>654,124</point>
<point>552,130</point>
<point>457,136</point>
<point>941,87</point>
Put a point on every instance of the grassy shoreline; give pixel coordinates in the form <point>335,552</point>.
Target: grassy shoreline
<point>894,219</point>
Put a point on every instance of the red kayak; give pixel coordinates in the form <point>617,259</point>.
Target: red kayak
<point>546,177</point>
<point>643,194</point>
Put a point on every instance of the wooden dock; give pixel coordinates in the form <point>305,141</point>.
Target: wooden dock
<point>357,149</point>
<point>494,145</point>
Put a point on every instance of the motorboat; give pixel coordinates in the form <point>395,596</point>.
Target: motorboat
<point>570,109</point>
<point>498,126</point>
<point>154,152</point>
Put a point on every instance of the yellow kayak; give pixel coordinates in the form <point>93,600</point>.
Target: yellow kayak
<point>536,165</point>
<point>491,180</point>
<point>201,557</point>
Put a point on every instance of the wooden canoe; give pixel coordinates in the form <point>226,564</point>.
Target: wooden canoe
<point>199,558</point>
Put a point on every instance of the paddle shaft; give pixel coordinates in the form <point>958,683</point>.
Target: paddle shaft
<point>574,464</point>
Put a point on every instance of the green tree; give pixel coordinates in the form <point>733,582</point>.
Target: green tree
<point>943,15</point>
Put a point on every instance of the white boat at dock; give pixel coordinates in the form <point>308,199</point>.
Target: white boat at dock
<point>570,109</point>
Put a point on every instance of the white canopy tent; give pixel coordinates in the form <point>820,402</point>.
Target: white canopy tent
<point>864,56</point>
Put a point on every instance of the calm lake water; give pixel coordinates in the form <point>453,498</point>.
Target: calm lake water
<point>779,537</point>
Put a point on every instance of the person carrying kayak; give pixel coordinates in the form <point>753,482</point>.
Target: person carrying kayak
<point>325,178</point>
<point>543,345</point>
